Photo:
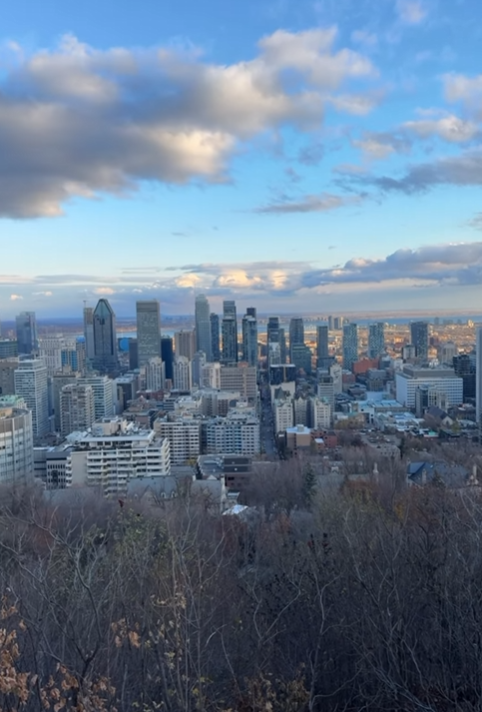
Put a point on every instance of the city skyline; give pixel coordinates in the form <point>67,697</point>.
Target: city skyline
<point>308,156</point>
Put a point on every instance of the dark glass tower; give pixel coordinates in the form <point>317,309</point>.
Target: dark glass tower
<point>27,339</point>
<point>229,333</point>
<point>419,338</point>
<point>250,337</point>
<point>215,349</point>
<point>167,355</point>
<point>105,338</point>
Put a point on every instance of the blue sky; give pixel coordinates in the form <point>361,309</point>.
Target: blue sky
<point>300,157</point>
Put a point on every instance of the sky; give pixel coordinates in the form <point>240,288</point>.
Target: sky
<point>301,157</point>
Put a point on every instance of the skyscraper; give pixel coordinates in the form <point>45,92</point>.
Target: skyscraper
<point>376,340</point>
<point>350,345</point>
<point>31,385</point>
<point>215,349</point>
<point>27,339</point>
<point>167,355</point>
<point>250,338</point>
<point>322,350</point>
<point>419,338</point>
<point>273,341</point>
<point>203,325</point>
<point>229,333</point>
<point>89,333</point>
<point>297,334</point>
<point>185,343</point>
<point>148,331</point>
<point>105,337</point>
<point>478,375</point>
<point>77,410</point>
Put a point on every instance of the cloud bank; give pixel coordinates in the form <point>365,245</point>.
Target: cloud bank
<point>79,122</point>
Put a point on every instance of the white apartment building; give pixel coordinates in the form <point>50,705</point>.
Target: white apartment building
<point>16,441</point>
<point>442,379</point>
<point>105,395</point>
<point>50,351</point>
<point>211,375</point>
<point>238,434</point>
<point>321,414</point>
<point>184,435</point>
<point>283,414</point>
<point>155,374</point>
<point>114,453</point>
<point>182,373</point>
<point>31,384</point>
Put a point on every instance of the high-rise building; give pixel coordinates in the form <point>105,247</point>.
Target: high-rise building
<point>185,343</point>
<point>272,341</point>
<point>148,316</point>
<point>250,338</point>
<point>155,374</point>
<point>229,333</point>
<point>8,348</point>
<point>57,382</point>
<point>7,376</point>
<point>105,398</point>
<point>203,325</point>
<point>50,350</point>
<point>297,334</point>
<point>77,410</point>
<point>301,357</point>
<point>16,441</point>
<point>167,355</point>
<point>27,339</point>
<point>133,355</point>
<point>478,375</point>
<point>376,340</point>
<point>251,311</point>
<point>89,333</point>
<point>322,351</point>
<point>350,345</point>
<point>419,338</point>
<point>182,373</point>
<point>282,344</point>
<point>31,384</point>
<point>197,364</point>
<point>105,337</point>
<point>215,347</point>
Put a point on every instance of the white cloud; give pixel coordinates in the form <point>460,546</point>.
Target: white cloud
<point>79,121</point>
<point>15,297</point>
<point>450,128</point>
<point>411,12</point>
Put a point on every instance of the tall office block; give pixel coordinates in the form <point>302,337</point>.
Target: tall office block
<point>155,374</point>
<point>77,410</point>
<point>250,338</point>
<point>16,442</point>
<point>272,341</point>
<point>105,397</point>
<point>203,325</point>
<point>229,333</point>
<point>105,337</point>
<point>27,338</point>
<point>185,343</point>
<point>376,340</point>
<point>322,351</point>
<point>215,347</point>
<point>182,373</point>
<point>148,315</point>
<point>297,333</point>
<point>419,338</point>
<point>350,345</point>
<point>167,355</point>
<point>89,333</point>
<point>478,375</point>
<point>282,344</point>
<point>31,384</point>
